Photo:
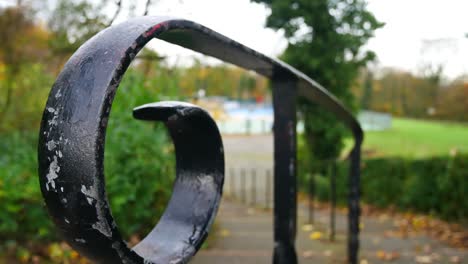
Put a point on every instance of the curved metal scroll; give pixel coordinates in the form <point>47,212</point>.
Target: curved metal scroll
<point>73,129</point>
<point>73,186</point>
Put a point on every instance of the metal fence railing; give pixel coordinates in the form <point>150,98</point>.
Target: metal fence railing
<point>71,147</point>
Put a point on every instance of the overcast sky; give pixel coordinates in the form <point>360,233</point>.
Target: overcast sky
<point>417,32</point>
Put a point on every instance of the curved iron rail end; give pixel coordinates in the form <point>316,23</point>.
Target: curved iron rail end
<point>71,146</point>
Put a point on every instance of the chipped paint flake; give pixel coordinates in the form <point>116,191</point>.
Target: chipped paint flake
<point>80,240</point>
<point>101,225</point>
<point>52,175</point>
<point>173,117</point>
<point>51,145</point>
<point>90,194</point>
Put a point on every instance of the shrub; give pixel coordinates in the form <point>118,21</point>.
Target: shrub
<point>437,185</point>
<point>138,165</point>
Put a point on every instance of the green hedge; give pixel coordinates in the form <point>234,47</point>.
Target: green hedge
<point>437,185</point>
<point>139,168</point>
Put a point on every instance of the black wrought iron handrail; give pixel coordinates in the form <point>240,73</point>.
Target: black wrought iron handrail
<point>72,136</point>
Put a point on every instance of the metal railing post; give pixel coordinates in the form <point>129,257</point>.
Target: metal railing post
<point>243,186</point>
<point>268,184</point>
<point>332,200</point>
<point>254,187</point>
<point>354,208</point>
<point>311,197</point>
<point>285,206</point>
<point>232,187</point>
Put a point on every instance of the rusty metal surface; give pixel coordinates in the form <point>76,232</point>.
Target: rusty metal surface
<point>72,136</point>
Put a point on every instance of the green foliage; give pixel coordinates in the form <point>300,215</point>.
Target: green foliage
<point>436,185</point>
<point>23,215</point>
<point>400,93</point>
<point>452,102</point>
<point>28,93</point>
<point>72,23</point>
<point>139,168</point>
<point>325,42</point>
<point>139,161</point>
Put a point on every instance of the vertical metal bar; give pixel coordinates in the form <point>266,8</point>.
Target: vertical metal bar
<point>267,188</point>
<point>285,207</point>
<point>332,200</point>
<point>254,187</point>
<point>353,204</point>
<point>311,197</point>
<point>242,186</point>
<point>232,187</point>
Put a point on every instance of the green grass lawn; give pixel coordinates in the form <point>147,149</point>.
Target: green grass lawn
<point>416,138</point>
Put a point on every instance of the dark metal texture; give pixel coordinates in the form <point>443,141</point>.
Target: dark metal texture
<point>285,207</point>
<point>332,200</point>
<point>353,205</point>
<point>71,146</point>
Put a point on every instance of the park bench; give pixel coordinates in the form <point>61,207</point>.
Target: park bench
<point>72,136</point>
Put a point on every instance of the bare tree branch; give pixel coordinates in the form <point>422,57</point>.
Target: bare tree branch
<point>150,57</point>
<point>117,12</point>
<point>148,3</point>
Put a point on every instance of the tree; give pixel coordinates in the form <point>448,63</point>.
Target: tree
<point>367,91</point>
<point>74,22</point>
<point>326,39</point>
<point>22,43</point>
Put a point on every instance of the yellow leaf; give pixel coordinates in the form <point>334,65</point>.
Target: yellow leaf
<point>315,235</point>
<point>380,254</point>
<point>225,233</point>
<point>74,255</point>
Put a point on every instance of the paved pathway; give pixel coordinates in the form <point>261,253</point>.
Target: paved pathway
<point>244,235</point>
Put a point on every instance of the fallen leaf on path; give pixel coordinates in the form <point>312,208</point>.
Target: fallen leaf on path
<point>315,235</point>
<point>224,233</point>
<point>250,211</point>
<point>427,248</point>
<point>375,240</point>
<point>387,256</point>
<point>423,259</point>
<point>455,259</point>
<point>307,228</point>
<point>308,254</point>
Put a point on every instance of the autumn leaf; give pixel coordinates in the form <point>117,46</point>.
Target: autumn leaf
<point>423,259</point>
<point>307,228</point>
<point>225,233</point>
<point>315,235</point>
<point>387,256</point>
